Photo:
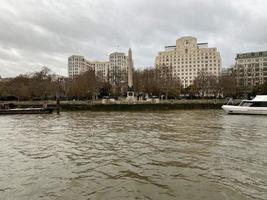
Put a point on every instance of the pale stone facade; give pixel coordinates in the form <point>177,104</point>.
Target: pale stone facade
<point>77,65</point>
<point>251,69</point>
<point>188,58</point>
<point>114,70</point>
<point>102,69</point>
<point>117,68</point>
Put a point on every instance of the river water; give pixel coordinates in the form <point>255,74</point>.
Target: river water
<point>194,154</point>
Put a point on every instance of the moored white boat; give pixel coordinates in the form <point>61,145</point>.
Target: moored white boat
<point>256,106</point>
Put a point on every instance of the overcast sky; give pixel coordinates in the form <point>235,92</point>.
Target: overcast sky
<point>34,33</point>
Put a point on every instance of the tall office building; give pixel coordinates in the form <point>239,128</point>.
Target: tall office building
<point>251,69</point>
<point>188,58</point>
<point>77,65</point>
<point>101,69</point>
<point>114,70</point>
<point>117,68</point>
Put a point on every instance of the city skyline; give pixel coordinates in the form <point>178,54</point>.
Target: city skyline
<point>47,33</point>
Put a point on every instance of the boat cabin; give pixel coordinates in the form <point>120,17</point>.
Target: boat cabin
<point>258,101</point>
<point>253,104</point>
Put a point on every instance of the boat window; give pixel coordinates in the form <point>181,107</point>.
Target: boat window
<point>259,104</point>
<point>246,104</point>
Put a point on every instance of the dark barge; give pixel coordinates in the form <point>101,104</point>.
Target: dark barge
<point>26,111</point>
<point>10,109</point>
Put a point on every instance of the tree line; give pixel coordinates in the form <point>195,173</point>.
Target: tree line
<point>150,82</point>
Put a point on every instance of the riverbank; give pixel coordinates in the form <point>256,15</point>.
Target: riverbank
<point>124,106</point>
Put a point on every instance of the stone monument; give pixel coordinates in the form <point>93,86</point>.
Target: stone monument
<point>130,92</point>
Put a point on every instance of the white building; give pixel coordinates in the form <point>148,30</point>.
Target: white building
<point>188,58</point>
<point>114,70</point>
<point>77,65</point>
<point>102,69</point>
<point>117,68</point>
<point>251,69</point>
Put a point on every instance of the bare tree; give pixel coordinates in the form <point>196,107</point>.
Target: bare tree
<point>156,81</point>
<point>168,84</point>
<point>206,85</point>
<point>228,85</point>
<point>83,86</point>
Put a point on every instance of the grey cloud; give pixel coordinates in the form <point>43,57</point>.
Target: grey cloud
<point>45,32</point>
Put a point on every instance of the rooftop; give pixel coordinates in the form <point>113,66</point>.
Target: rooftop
<point>251,54</point>
<point>199,45</point>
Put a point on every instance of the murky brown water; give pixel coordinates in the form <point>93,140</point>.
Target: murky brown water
<point>165,155</point>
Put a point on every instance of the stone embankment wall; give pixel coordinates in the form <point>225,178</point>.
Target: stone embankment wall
<point>124,106</point>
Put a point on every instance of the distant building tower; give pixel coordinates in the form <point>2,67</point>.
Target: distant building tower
<point>117,68</point>
<point>113,71</point>
<point>77,65</point>
<point>102,69</point>
<point>228,71</point>
<point>251,69</point>
<point>188,58</point>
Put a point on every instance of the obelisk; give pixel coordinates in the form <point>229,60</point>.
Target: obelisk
<point>130,92</point>
<point>130,70</point>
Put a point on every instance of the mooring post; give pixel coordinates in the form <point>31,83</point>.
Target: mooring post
<point>58,106</point>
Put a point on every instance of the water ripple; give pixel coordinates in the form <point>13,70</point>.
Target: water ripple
<point>201,154</point>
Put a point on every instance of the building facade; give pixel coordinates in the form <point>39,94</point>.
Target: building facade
<point>188,58</point>
<point>251,69</point>
<point>77,65</point>
<point>101,69</point>
<point>114,71</point>
<point>228,71</point>
<point>118,68</point>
